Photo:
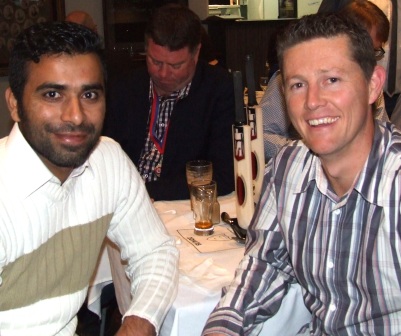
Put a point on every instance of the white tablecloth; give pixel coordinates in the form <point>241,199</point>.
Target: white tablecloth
<point>201,277</point>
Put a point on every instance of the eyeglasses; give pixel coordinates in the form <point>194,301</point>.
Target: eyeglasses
<point>379,53</point>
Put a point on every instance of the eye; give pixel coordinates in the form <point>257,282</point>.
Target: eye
<point>296,86</point>
<point>332,80</point>
<point>176,66</point>
<point>91,95</point>
<point>52,94</point>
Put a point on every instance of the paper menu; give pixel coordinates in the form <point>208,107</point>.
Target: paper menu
<point>220,240</point>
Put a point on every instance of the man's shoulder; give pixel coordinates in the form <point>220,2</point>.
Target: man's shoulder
<point>109,159</point>
<point>3,142</point>
<point>392,142</point>
<point>294,148</point>
<point>107,149</point>
<point>293,156</point>
<point>212,80</point>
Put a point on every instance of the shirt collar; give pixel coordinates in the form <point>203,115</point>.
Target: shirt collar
<point>179,94</point>
<point>25,171</point>
<point>374,167</point>
<point>313,170</point>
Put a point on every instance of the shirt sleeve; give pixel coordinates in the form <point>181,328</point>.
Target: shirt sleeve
<point>261,279</point>
<point>144,242</point>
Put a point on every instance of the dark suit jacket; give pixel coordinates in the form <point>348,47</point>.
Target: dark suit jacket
<point>200,127</point>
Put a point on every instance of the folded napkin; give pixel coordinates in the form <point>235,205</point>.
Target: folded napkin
<point>204,274</point>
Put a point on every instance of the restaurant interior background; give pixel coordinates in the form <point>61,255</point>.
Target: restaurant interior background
<point>236,28</point>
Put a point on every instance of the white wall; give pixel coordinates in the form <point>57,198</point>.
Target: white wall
<point>94,8</point>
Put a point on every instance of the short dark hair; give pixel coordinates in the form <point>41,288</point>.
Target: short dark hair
<point>369,15</point>
<point>175,27</point>
<point>49,38</point>
<point>330,25</point>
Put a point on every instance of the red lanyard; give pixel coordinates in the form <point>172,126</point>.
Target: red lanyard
<point>160,143</point>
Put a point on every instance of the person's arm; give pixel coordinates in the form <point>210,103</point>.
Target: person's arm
<point>263,276</point>
<point>144,242</point>
<point>136,326</point>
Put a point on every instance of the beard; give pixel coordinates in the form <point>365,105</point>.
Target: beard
<point>39,137</point>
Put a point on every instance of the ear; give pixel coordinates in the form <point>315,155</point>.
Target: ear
<point>12,104</point>
<point>376,83</point>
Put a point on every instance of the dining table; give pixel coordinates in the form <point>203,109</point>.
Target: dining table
<point>206,265</point>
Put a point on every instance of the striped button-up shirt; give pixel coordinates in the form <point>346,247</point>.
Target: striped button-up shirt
<point>345,252</point>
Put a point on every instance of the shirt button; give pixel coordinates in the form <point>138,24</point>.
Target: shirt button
<point>332,307</point>
<point>162,124</point>
<point>330,264</point>
<point>145,175</point>
<point>337,212</point>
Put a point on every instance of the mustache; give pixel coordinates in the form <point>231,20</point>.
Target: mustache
<point>70,128</point>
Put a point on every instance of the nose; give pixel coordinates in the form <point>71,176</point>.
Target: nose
<point>163,71</point>
<point>73,112</point>
<point>314,98</point>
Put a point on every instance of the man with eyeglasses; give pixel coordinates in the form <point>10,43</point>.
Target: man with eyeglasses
<point>379,53</point>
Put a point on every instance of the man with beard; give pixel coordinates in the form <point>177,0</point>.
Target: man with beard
<point>64,188</point>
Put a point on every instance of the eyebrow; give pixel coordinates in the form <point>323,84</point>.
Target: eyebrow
<point>96,86</point>
<point>61,87</point>
<point>171,64</point>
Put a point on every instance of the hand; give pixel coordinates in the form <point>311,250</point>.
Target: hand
<point>136,326</point>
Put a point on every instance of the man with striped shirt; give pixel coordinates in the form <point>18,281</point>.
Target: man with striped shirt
<point>329,214</point>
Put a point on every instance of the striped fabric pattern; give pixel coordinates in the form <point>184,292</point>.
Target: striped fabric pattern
<point>345,252</point>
